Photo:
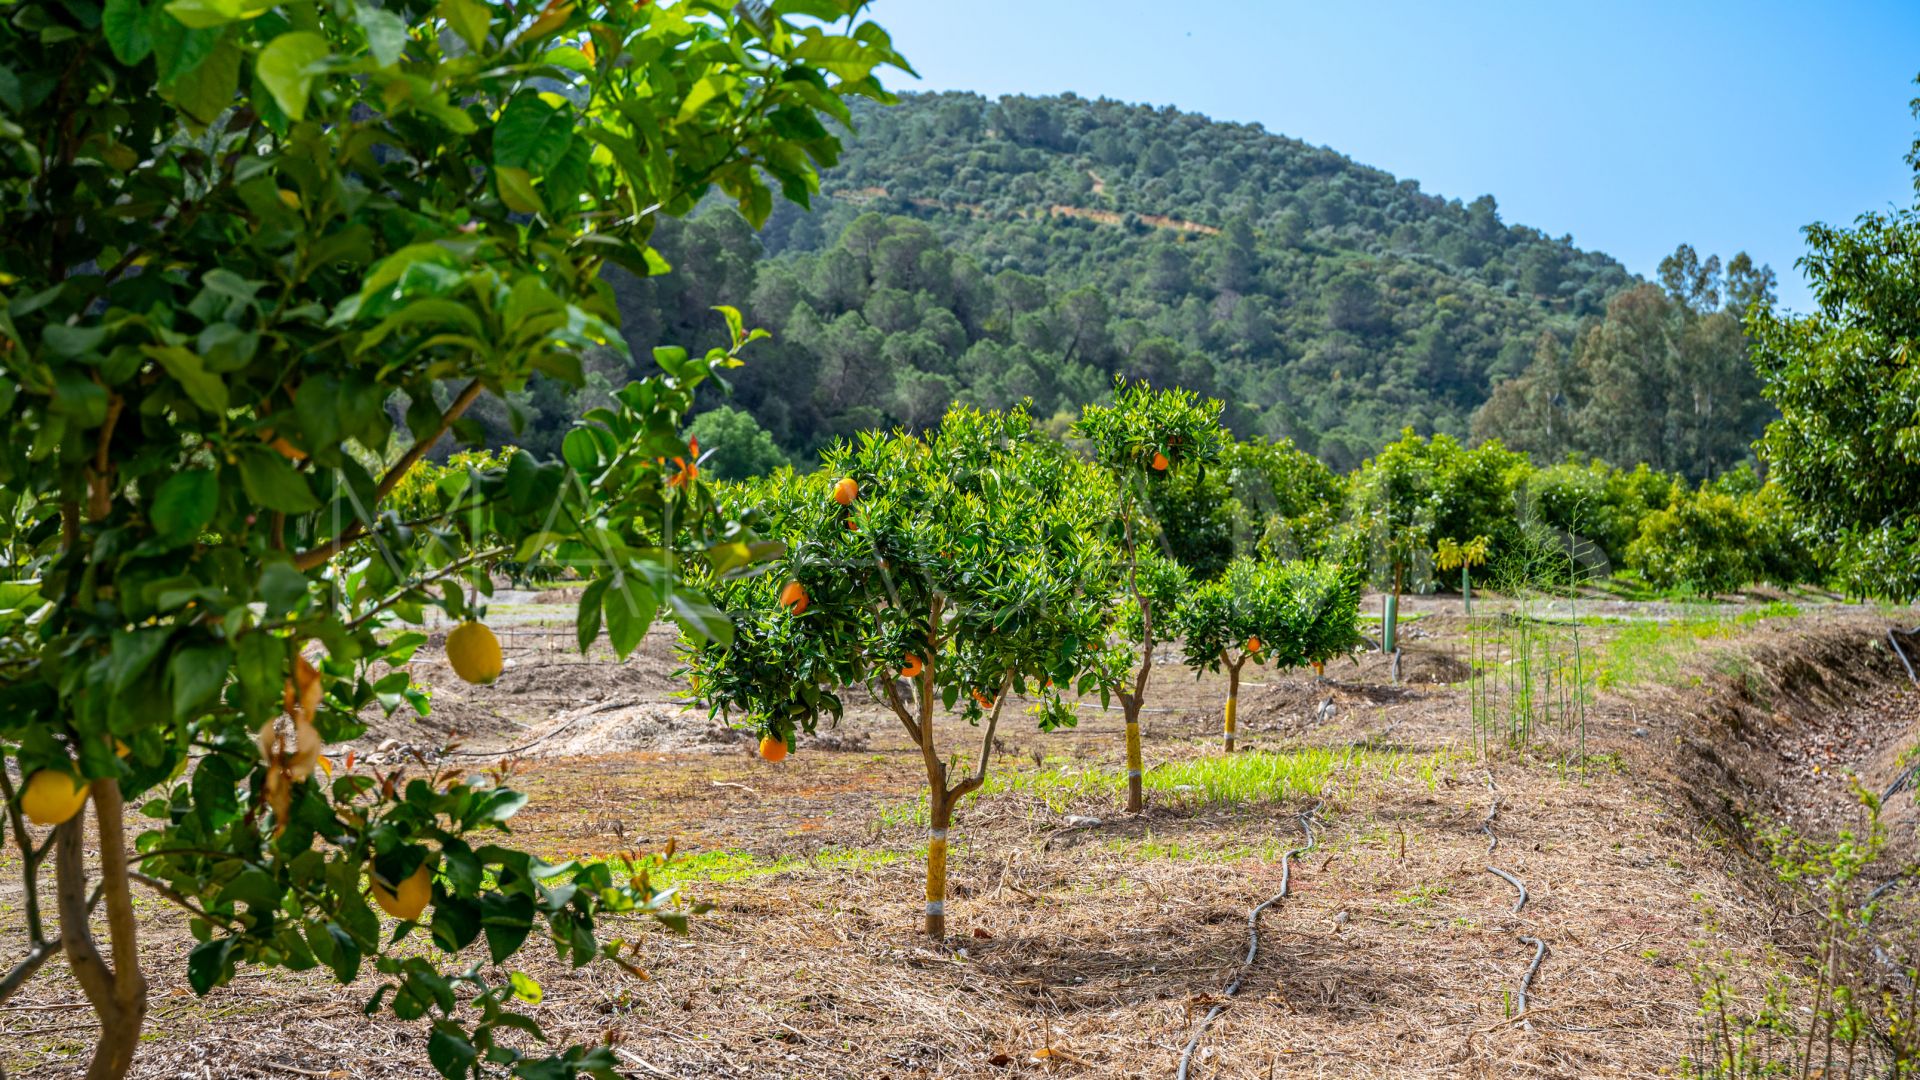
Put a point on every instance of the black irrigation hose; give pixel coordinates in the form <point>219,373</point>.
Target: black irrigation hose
<point>1486,826</point>
<point>1515,882</point>
<point>1539,946</point>
<point>1253,938</point>
<point>1902,653</point>
<point>1526,981</point>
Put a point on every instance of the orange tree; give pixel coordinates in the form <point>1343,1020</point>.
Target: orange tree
<point>1136,441</point>
<point>966,563</point>
<point>1286,614</point>
<point>239,245</point>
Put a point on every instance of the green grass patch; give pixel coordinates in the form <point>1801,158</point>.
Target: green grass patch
<point>1150,849</point>
<point>1654,652</point>
<point>712,867</point>
<point>1229,780</point>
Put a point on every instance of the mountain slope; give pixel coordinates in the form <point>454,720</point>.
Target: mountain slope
<point>1037,246</point>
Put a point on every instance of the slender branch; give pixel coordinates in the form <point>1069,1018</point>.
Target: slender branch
<point>98,493</point>
<point>445,572</point>
<point>29,863</point>
<point>979,777</point>
<point>168,892</point>
<point>40,953</point>
<point>26,968</point>
<point>900,709</point>
<point>313,557</point>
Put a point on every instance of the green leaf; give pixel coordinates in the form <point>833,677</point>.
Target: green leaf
<point>516,190</point>
<point>386,33</point>
<point>206,14</point>
<point>208,89</point>
<point>470,19</point>
<point>272,482</point>
<point>176,49</point>
<point>283,587</point>
<point>133,652</point>
<point>69,342</point>
<point>215,798</point>
<point>207,965</point>
<point>197,674</point>
<point>206,389</point>
<point>587,620</point>
<point>704,91</point>
<point>532,134</point>
<point>185,504</point>
<point>285,68</point>
<point>700,619</point>
<point>450,1051</point>
<point>125,24</point>
<point>629,611</point>
<point>525,987</point>
<point>507,921</point>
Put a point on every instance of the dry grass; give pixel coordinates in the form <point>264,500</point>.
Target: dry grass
<point>1085,951</point>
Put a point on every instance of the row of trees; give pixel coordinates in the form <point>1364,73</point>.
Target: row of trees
<point>951,571</point>
<point>1420,496</point>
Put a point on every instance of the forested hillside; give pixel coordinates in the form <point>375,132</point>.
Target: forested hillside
<point>984,252</point>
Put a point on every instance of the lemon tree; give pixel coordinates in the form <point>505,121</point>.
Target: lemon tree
<point>958,570</point>
<point>256,262</point>
<point>1136,441</point>
<point>1287,614</point>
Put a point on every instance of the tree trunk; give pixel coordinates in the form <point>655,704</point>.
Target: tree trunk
<point>118,994</point>
<point>1136,802</point>
<point>941,818</point>
<point>1233,702</point>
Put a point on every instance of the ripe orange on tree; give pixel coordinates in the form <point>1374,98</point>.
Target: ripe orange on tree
<point>773,749</point>
<point>846,491</point>
<point>794,597</point>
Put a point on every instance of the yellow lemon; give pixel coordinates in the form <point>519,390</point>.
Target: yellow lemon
<point>474,653</point>
<point>410,899</point>
<point>52,796</point>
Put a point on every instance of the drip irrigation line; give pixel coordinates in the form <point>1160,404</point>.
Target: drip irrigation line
<point>1884,886</point>
<point>1526,981</point>
<point>1515,882</point>
<point>1253,937</point>
<point>1902,653</point>
<point>1901,782</point>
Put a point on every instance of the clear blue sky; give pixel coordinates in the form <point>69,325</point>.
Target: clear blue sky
<point>1634,125</point>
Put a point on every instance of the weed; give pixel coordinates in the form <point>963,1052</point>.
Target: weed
<point>1846,1009</point>
<point>1421,895</point>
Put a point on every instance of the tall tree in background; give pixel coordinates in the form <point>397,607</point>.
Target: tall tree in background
<point>1664,377</point>
<point>1846,378</point>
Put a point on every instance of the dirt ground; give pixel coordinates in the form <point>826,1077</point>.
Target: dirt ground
<point>1087,942</point>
